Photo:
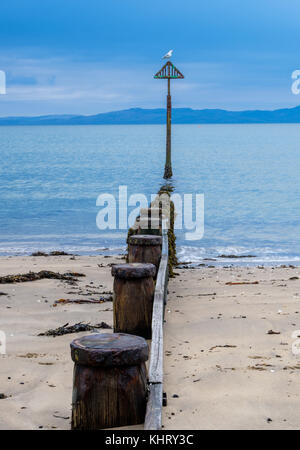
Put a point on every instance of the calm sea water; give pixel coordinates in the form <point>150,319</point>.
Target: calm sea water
<point>50,178</point>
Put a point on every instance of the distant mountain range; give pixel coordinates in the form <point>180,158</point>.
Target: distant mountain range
<point>139,116</point>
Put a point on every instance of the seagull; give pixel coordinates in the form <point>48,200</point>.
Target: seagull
<point>168,55</point>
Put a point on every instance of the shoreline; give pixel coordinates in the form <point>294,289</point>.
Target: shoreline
<point>219,261</point>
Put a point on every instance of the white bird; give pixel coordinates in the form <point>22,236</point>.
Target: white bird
<point>168,55</point>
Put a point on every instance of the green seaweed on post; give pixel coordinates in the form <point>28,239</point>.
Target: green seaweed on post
<point>172,259</point>
<point>168,189</point>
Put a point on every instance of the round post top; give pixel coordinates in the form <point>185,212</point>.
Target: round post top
<point>145,239</point>
<point>133,270</point>
<point>109,350</point>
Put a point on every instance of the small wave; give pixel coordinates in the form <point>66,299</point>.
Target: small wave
<point>65,237</point>
<point>238,255</point>
<point>80,250</point>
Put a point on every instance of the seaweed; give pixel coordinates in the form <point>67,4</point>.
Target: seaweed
<point>54,253</point>
<point>39,254</point>
<point>172,259</point>
<point>83,300</point>
<point>76,328</point>
<point>33,276</point>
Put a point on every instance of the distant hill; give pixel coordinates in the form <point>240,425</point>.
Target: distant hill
<point>139,116</point>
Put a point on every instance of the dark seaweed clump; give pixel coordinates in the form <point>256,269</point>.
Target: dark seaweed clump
<point>33,276</point>
<point>77,328</point>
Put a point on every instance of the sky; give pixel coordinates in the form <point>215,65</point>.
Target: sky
<point>93,56</point>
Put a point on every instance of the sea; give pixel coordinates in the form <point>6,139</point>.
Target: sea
<point>249,176</point>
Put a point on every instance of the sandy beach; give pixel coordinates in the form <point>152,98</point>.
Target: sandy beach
<point>36,373</point>
<point>222,369</point>
<point>226,370</point>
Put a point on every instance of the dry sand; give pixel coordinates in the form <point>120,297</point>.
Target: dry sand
<point>36,373</point>
<point>254,384</point>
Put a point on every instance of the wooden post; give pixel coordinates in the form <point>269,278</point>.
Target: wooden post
<point>168,71</point>
<point>168,166</point>
<point>133,298</point>
<point>154,211</point>
<point>110,381</point>
<point>150,219</point>
<point>151,226</point>
<point>145,248</point>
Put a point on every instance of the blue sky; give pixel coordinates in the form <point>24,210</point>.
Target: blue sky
<point>85,57</point>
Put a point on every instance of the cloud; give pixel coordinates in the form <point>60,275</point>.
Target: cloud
<point>65,85</point>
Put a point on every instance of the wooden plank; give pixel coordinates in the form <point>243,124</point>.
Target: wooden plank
<point>156,355</point>
<point>154,407</point>
<point>155,374</point>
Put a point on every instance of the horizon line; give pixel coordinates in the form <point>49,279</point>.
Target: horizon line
<point>148,109</point>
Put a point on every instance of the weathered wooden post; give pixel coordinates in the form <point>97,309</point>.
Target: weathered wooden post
<point>153,211</point>
<point>168,71</point>
<point>133,298</point>
<point>110,381</point>
<point>168,166</point>
<point>150,221</point>
<point>150,226</point>
<point>144,248</point>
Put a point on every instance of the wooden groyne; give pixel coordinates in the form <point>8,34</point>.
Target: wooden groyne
<point>140,296</point>
<point>153,419</point>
